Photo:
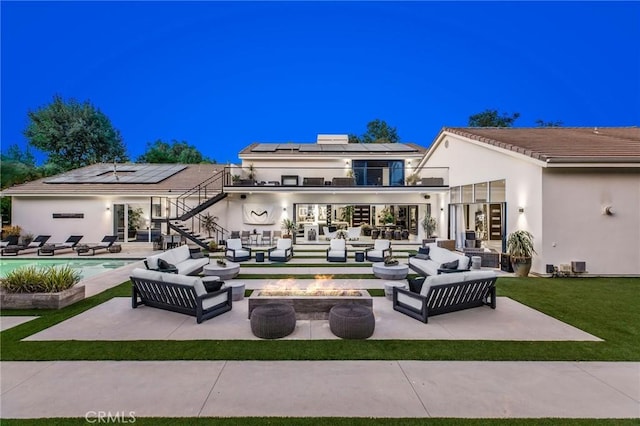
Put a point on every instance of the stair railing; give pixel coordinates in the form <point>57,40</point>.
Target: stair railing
<point>202,190</point>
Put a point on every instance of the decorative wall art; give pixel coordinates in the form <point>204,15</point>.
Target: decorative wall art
<point>259,214</point>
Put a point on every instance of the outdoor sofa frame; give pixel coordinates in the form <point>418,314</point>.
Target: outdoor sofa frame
<point>445,298</point>
<point>175,297</point>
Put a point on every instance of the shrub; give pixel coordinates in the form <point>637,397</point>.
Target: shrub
<point>33,279</point>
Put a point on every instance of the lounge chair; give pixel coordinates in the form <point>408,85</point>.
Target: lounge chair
<point>14,250</point>
<point>105,244</point>
<point>235,251</point>
<point>50,249</point>
<point>337,251</point>
<point>282,252</point>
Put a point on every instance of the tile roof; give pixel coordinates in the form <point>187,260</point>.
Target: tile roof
<point>179,182</point>
<point>561,144</point>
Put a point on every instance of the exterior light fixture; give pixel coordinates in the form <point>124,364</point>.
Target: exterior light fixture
<point>521,209</point>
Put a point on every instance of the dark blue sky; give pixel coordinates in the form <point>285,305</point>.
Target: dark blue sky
<point>223,75</point>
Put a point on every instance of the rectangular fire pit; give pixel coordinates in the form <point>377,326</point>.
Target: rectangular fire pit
<point>314,305</point>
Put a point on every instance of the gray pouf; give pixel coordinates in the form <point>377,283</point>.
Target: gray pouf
<point>352,321</point>
<point>273,320</point>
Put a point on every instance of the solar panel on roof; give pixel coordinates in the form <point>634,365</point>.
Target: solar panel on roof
<point>130,173</point>
<point>264,148</point>
<point>310,148</point>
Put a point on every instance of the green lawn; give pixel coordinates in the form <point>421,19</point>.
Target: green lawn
<point>605,307</point>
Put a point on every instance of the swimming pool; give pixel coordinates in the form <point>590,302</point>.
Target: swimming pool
<point>87,267</point>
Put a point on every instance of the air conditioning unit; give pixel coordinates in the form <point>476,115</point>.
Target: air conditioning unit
<point>578,266</point>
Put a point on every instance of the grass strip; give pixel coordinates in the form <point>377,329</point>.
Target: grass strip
<point>604,307</point>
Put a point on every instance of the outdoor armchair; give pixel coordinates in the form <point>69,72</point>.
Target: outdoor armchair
<point>337,251</point>
<point>235,251</point>
<point>282,252</point>
<point>327,234</point>
<point>380,250</point>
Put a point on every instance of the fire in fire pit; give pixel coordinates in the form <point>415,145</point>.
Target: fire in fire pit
<point>313,302</point>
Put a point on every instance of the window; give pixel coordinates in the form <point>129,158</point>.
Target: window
<point>497,191</point>
<point>379,172</point>
<point>481,192</point>
<point>467,194</point>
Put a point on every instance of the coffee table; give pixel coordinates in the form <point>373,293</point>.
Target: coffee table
<point>390,272</point>
<point>227,272</point>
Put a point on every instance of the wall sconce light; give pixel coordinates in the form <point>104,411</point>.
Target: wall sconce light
<point>346,162</point>
<point>108,208</point>
<point>608,211</point>
<point>284,209</point>
<point>521,209</point>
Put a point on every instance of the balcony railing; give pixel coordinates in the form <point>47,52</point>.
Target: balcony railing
<point>334,177</point>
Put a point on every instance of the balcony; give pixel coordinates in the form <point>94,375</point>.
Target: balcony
<point>332,178</point>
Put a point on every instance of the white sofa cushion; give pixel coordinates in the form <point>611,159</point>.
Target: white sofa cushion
<point>147,274</point>
<point>234,243</point>
<point>283,244</point>
<point>180,253</point>
<point>381,245</point>
<point>191,265</point>
<point>216,300</point>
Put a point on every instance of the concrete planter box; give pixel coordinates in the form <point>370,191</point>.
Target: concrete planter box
<point>41,300</point>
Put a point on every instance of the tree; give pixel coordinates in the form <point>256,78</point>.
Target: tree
<point>491,118</point>
<point>74,134</point>
<point>542,123</point>
<point>176,152</point>
<point>18,166</point>
<point>378,131</point>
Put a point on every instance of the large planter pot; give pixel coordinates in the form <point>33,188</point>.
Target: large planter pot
<point>41,300</point>
<point>521,266</point>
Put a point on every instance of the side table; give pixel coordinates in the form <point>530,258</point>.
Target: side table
<point>359,256</point>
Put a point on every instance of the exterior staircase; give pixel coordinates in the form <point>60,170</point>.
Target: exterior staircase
<point>186,219</point>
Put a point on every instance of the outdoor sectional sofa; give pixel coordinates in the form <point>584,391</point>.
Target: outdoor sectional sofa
<point>178,293</point>
<point>445,293</point>
<point>179,260</point>
<point>434,262</point>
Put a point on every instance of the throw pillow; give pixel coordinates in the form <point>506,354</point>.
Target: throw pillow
<point>197,255</point>
<point>450,265</point>
<point>423,250</point>
<point>213,286</point>
<point>415,284</point>
<point>163,264</point>
<point>422,256</point>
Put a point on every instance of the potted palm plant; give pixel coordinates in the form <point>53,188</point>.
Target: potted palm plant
<point>209,223</point>
<point>289,227</point>
<point>520,250</point>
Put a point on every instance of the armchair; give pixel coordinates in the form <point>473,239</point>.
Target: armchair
<point>337,251</point>
<point>380,250</point>
<point>329,235</point>
<point>235,251</point>
<point>282,252</point>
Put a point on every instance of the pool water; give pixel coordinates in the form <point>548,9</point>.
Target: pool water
<point>87,267</point>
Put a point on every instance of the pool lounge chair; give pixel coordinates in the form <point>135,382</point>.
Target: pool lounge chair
<point>50,249</point>
<point>14,250</point>
<point>105,244</point>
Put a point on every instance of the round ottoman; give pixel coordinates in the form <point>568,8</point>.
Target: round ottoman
<point>351,321</point>
<point>273,320</point>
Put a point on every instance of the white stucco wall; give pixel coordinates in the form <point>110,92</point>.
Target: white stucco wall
<point>562,208</point>
<point>575,227</point>
<point>470,162</point>
<point>35,216</point>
